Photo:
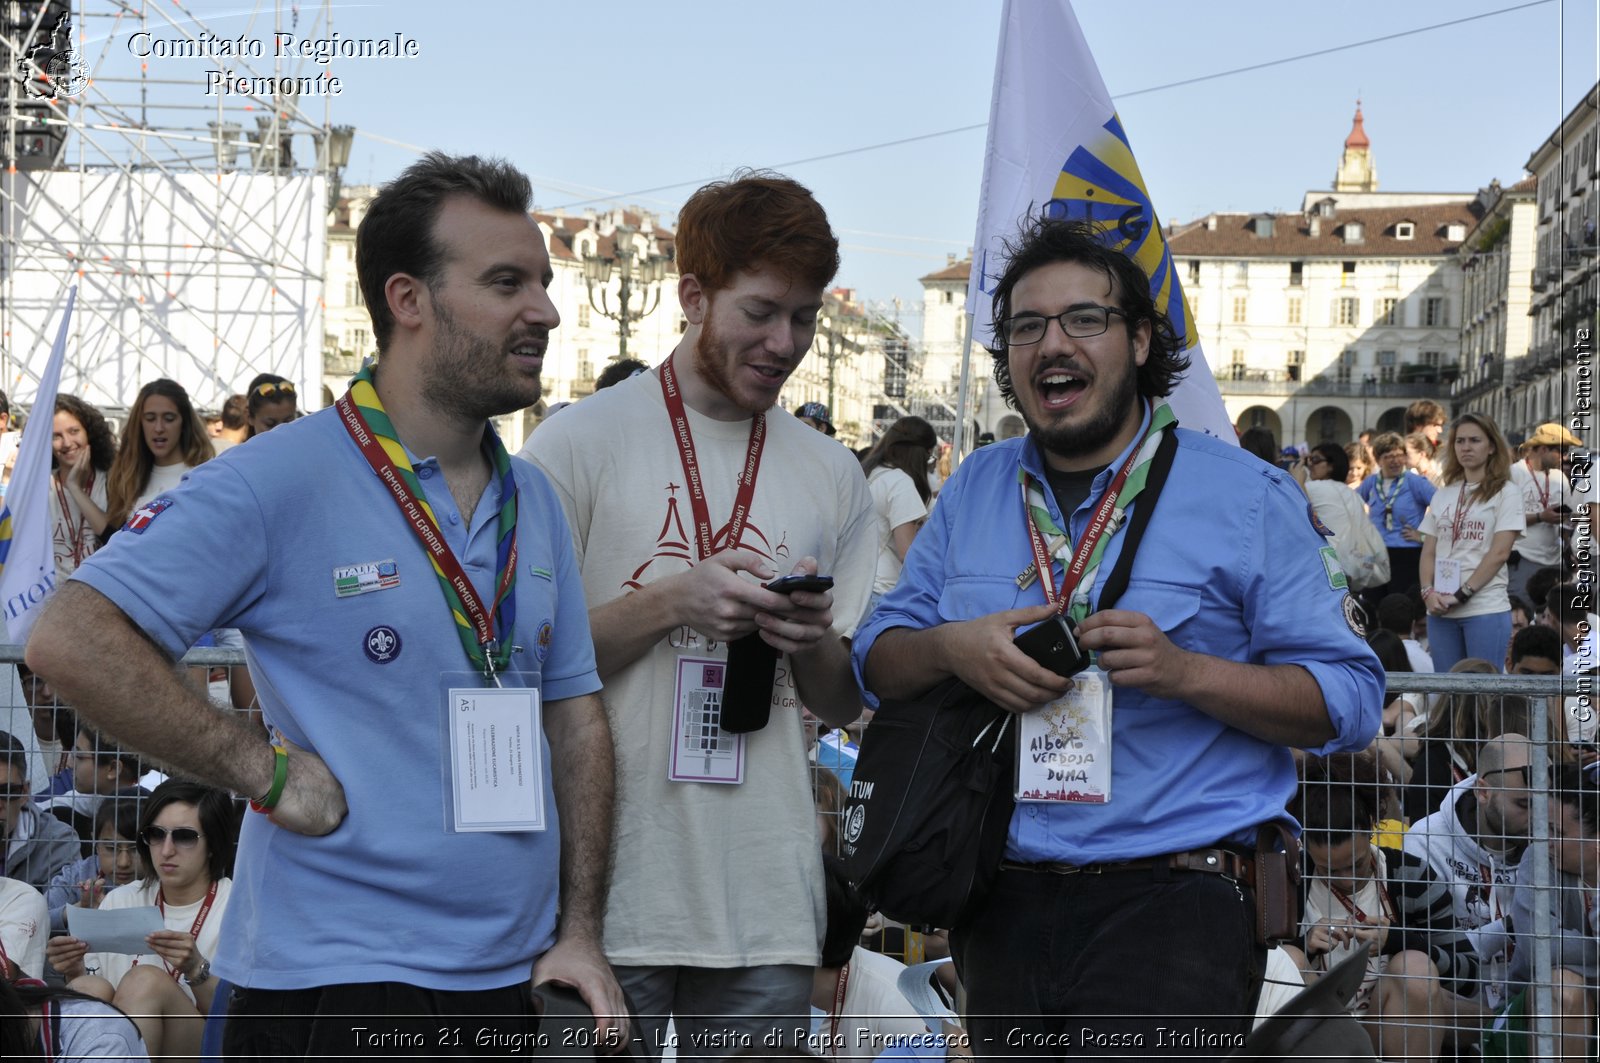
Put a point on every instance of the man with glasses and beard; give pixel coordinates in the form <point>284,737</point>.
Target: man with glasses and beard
<point>1234,639</point>
<point>416,628</point>
<point>687,490</point>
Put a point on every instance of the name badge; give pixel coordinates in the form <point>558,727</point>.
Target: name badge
<point>701,750</point>
<point>495,774</point>
<point>1064,749</point>
<point>351,580</point>
<point>1446,575</point>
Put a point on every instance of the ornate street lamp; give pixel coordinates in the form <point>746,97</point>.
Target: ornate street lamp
<point>633,267</point>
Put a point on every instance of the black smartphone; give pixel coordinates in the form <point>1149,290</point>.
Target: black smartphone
<point>1054,644</point>
<point>790,584</point>
<point>1563,510</point>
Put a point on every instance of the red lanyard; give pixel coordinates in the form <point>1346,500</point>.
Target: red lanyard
<point>691,467</point>
<point>1463,503</point>
<point>427,531</point>
<point>1091,535</point>
<point>199,921</point>
<point>1361,917</point>
<point>838,1003</point>
<point>74,520</point>
<point>1544,492</point>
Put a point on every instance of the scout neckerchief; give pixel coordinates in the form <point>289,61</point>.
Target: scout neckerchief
<point>1081,570</point>
<point>691,467</point>
<point>486,636</point>
<point>1388,500</point>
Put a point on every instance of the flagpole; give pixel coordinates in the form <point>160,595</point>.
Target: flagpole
<point>960,441</point>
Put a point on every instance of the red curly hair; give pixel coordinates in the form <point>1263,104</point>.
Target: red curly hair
<point>756,220</point>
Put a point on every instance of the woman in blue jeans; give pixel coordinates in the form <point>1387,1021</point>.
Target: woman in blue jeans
<point>1467,535</point>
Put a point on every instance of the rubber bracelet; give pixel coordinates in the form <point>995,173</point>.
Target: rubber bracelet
<point>280,775</point>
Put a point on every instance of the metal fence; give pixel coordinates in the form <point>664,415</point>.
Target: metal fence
<point>1558,714</point>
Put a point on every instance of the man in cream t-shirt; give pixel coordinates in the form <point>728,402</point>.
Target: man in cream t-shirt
<point>1546,503</point>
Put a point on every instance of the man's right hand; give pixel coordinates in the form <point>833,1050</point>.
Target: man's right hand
<point>713,599</point>
<point>313,801</point>
<point>982,655</point>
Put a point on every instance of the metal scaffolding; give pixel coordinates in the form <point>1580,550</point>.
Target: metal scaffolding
<point>179,171</point>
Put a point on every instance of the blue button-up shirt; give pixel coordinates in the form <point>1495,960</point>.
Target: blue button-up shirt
<point>1230,566</point>
<point>1409,499</point>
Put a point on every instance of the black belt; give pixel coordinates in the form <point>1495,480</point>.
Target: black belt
<point>1226,862</point>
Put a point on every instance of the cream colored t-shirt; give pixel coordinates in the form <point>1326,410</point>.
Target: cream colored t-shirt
<point>1468,539</point>
<point>112,966</point>
<point>707,875</point>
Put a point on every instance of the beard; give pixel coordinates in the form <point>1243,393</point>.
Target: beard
<point>467,375</point>
<point>1113,411</point>
<point>713,363</point>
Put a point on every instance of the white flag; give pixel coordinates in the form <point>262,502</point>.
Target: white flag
<point>27,562</point>
<point>1057,147</point>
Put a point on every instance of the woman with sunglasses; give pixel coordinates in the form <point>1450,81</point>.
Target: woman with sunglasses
<point>186,842</point>
<point>270,402</point>
<point>163,439</point>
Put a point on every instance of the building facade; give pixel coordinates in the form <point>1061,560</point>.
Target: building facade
<point>1497,291</point>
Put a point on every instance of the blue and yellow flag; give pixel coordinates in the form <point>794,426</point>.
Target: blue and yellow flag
<point>1056,146</point>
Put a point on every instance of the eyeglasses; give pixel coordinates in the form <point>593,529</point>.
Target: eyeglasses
<point>1080,322</point>
<point>268,390</point>
<point>182,837</point>
<point>1316,459</point>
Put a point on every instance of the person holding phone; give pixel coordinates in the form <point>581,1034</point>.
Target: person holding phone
<point>1546,496</point>
<point>1233,639</point>
<point>688,494</point>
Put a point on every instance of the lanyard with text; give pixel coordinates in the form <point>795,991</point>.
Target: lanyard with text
<point>1463,503</point>
<point>1093,543</point>
<point>1544,492</point>
<point>485,635</point>
<point>199,920</point>
<point>691,467</point>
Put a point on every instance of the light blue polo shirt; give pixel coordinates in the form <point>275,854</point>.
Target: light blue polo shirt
<point>1230,566</point>
<point>252,540</point>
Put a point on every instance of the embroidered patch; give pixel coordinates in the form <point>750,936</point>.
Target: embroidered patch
<point>544,573</point>
<point>351,580</point>
<point>1335,571</point>
<point>141,518</point>
<point>541,649</point>
<point>1355,617</point>
<point>381,644</point>
<point>1316,522</point>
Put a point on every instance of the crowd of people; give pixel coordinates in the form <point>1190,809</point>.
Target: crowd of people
<point>588,715</point>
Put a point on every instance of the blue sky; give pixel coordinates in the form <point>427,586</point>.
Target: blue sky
<point>609,100</point>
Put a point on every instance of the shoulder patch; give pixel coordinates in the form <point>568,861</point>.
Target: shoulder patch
<point>141,518</point>
<point>1355,617</point>
<point>1316,522</point>
<point>1335,571</point>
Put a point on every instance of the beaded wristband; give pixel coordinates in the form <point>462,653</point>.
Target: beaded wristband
<point>280,775</point>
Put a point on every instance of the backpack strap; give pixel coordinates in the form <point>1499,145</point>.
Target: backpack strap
<point>1144,506</point>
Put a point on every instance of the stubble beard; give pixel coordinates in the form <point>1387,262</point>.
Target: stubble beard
<point>711,361</point>
<point>465,376</point>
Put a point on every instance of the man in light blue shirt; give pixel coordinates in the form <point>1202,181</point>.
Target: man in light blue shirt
<point>365,894</point>
<point>1234,639</point>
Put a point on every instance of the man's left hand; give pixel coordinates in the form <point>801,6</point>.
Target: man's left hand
<point>1134,652</point>
<point>582,966</point>
<point>798,621</point>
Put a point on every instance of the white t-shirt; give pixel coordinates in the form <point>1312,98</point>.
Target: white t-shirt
<point>1539,542</point>
<point>24,926</point>
<point>163,478</point>
<point>1467,539</point>
<point>894,502</point>
<point>142,894</point>
<point>707,874</point>
<point>72,538</point>
<point>91,1030</point>
<point>875,1015</point>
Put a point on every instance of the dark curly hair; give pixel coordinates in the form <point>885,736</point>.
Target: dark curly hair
<point>1045,240</point>
<point>102,443</point>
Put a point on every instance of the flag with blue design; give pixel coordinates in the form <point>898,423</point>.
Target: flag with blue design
<point>27,562</point>
<point>1056,146</point>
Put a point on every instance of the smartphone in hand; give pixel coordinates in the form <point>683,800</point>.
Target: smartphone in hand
<point>1054,644</point>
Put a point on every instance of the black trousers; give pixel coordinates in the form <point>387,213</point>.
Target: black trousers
<point>1148,964</point>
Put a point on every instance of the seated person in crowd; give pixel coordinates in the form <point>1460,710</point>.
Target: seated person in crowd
<point>100,769</point>
<point>186,843</point>
<point>1399,613</point>
<point>49,738</point>
<point>1359,893</point>
<point>1535,650</point>
<point>50,1023</point>
<point>1574,857</point>
<point>1569,608</point>
<point>24,926</point>
<point>34,845</point>
<point>1472,845</point>
<point>114,862</point>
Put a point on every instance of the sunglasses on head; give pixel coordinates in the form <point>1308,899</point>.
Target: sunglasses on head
<point>182,837</point>
<point>268,390</point>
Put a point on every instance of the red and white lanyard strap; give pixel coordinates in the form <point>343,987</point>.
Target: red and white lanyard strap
<point>1544,492</point>
<point>1350,906</point>
<point>838,1006</point>
<point>199,921</point>
<point>691,467</point>
<point>1463,503</point>
<point>1085,548</point>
